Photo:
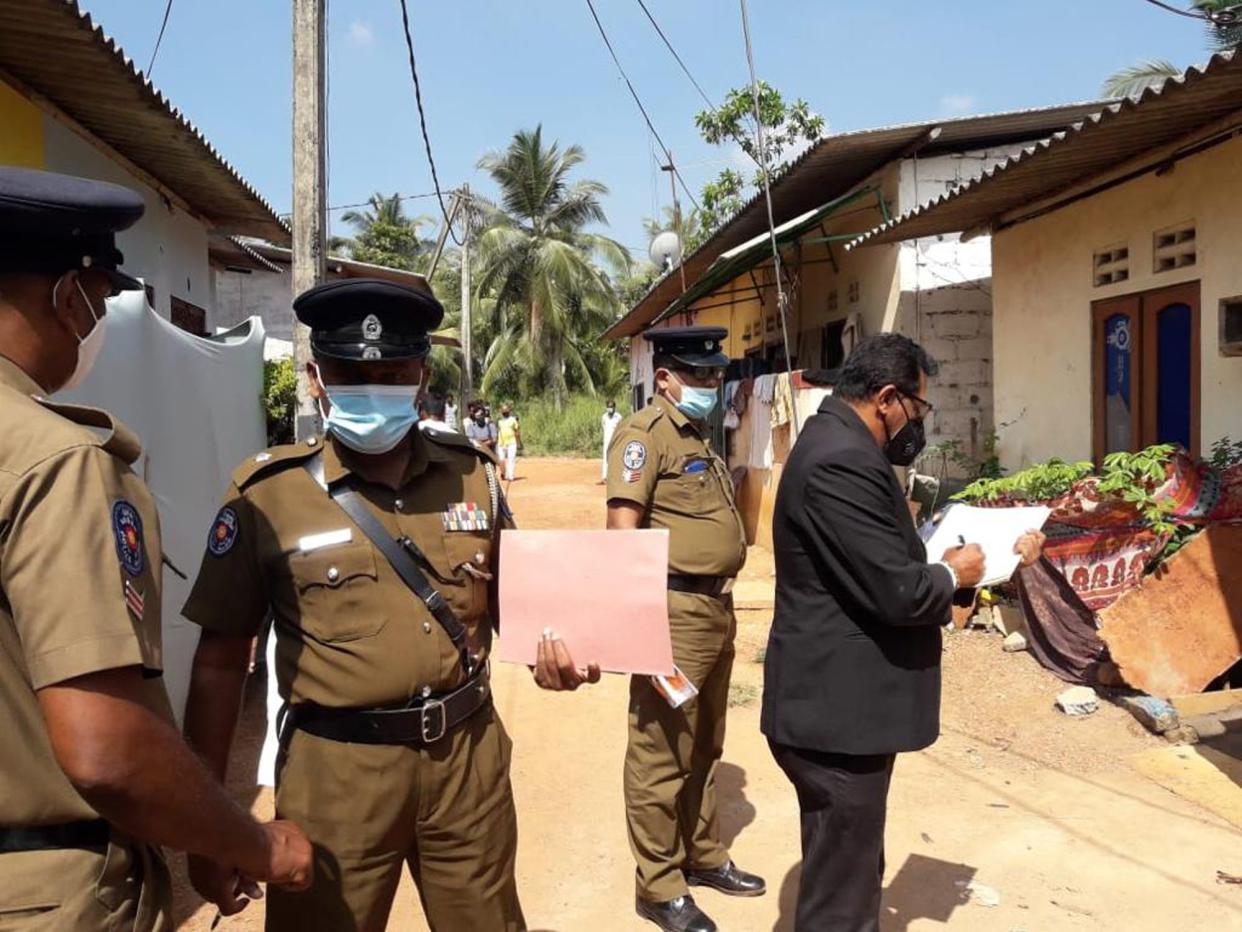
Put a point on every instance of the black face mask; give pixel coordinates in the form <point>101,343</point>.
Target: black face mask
<point>904,447</point>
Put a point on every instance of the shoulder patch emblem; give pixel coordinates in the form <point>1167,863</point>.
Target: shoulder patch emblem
<point>635,455</point>
<point>223,533</point>
<point>127,533</point>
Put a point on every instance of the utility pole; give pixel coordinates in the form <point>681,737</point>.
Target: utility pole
<point>467,365</point>
<point>310,203</point>
<point>681,242</point>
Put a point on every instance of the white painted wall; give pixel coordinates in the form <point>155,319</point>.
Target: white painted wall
<point>1044,289</point>
<point>167,248</point>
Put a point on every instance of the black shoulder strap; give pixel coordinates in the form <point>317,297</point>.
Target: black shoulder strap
<point>399,559</point>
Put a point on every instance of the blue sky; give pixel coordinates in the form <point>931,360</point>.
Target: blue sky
<point>490,67</point>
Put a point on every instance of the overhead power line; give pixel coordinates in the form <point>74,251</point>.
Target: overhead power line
<point>422,120</point>
<point>158,39</point>
<point>638,100</point>
<point>1221,19</point>
<point>698,87</point>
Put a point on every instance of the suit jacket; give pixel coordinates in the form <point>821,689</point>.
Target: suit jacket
<point>853,660</point>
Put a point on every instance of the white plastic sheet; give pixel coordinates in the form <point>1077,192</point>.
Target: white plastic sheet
<point>196,406</point>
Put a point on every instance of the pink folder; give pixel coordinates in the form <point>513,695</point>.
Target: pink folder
<point>604,592</point>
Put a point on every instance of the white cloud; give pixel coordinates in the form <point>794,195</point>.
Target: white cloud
<point>360,35</point>
<point>957,105</point>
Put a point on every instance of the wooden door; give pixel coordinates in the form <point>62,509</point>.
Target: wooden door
<point>1145,362</point>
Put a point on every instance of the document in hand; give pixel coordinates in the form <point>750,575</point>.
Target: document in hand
<point>604,592</point>
<point>996,530</point>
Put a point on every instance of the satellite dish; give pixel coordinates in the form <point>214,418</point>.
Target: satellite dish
<point>665,250</point>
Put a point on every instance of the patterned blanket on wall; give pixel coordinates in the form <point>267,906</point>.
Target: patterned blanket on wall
<point>1102,546</point>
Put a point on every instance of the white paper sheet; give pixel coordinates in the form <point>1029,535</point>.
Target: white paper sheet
<point>996,530</point>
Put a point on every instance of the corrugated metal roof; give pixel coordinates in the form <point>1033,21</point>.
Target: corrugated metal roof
<point>740,259</point>
<point>1119,133</point>
<point>53,48</point>
<point>838,163</point>
<point>346,268</point>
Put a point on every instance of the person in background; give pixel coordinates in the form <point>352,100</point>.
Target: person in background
<point>508,439</point>
<point>479,430</point>
<point>608,423</point>
<point>450,412</point>
<point>852,671</point>
<point>431,414</point>
<point>663,473</point>
<point>94,775</point>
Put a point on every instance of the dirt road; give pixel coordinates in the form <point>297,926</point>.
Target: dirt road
<point>1045,810</point>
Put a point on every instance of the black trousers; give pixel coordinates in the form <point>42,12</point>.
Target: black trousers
<point>843,799</point>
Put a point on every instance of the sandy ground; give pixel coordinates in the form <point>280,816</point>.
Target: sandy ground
<point>1047,811</point>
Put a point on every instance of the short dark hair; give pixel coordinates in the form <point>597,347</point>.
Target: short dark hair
<point>434,407</point>
<point>883,359</point>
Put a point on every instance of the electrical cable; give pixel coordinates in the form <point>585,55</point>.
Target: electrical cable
<point>422,121</point>
<point>1173,9</point>
<point>158,39</point>
<point>767,194</point>
<point>633,93</point>
<point>698,87</point>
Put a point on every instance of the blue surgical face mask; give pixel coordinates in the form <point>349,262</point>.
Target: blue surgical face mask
<point>697,403</point>
<point>371,418</point>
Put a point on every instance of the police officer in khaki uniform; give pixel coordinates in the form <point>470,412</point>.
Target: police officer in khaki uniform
<point>392,752</point>
<point>663,473</point>
<point>94,774</point>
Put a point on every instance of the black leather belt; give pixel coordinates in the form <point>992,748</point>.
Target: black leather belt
<point>92,833</point>
<point>701,585</point>
<point>424,722</point>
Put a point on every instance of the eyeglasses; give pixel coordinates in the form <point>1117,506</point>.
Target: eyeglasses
<point>927,407</point>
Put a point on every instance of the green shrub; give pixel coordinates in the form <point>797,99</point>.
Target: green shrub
<point>280,399</point>
<point>1034,484</point>
<point>575,430</point>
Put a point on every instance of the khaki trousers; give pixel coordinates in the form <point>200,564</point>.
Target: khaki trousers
<point>123,889</point>
<point>671,758</point>
<point>444,811</point>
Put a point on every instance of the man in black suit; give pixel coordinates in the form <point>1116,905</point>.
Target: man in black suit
<point>852,674</point>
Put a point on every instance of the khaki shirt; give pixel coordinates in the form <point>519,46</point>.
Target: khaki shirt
<point>80,565</point>
<point>660,461</point>
<point>350,633</point>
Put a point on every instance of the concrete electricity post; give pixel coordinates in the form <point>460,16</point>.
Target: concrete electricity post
<point>467,373</point>
<point>310,205</point>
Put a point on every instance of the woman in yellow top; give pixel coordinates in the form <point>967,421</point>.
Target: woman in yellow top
<point>508,438</point>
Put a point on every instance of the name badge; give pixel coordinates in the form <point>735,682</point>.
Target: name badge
<point>465,516</point>
<point>326,539</point>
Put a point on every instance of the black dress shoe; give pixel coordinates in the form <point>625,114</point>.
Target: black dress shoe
<point>728,878</point>
<point>679,915</point>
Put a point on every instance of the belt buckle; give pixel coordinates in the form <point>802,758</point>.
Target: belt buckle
<point>433,720</point>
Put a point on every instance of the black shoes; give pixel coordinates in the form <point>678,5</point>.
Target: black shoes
<point>679,915</point>
<point>728,878</point>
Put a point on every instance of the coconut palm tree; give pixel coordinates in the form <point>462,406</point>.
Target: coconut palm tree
<point>543,268</point>
<point>385,234</point>
<point>1132,81</point>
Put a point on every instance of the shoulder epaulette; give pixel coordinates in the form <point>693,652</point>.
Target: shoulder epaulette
<point>274,460</point>
<point>456,441</point>
<point>644,419</point>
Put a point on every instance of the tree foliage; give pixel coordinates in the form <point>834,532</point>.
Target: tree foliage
<point>385,235</point>
<point>1133,80</point>
<point>785,127</point>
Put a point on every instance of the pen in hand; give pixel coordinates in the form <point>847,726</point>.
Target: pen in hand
<point>961,541</point>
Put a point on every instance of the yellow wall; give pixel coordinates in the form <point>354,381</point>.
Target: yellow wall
<point>21,130</point>
<point>1043,289</point>
<point>753,323</point>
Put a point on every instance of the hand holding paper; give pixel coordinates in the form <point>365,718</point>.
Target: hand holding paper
<point>1004,534</point>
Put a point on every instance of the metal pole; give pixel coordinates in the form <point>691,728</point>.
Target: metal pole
<point>310,201</point>
<point>781,302</point>
<point>467,364</point>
